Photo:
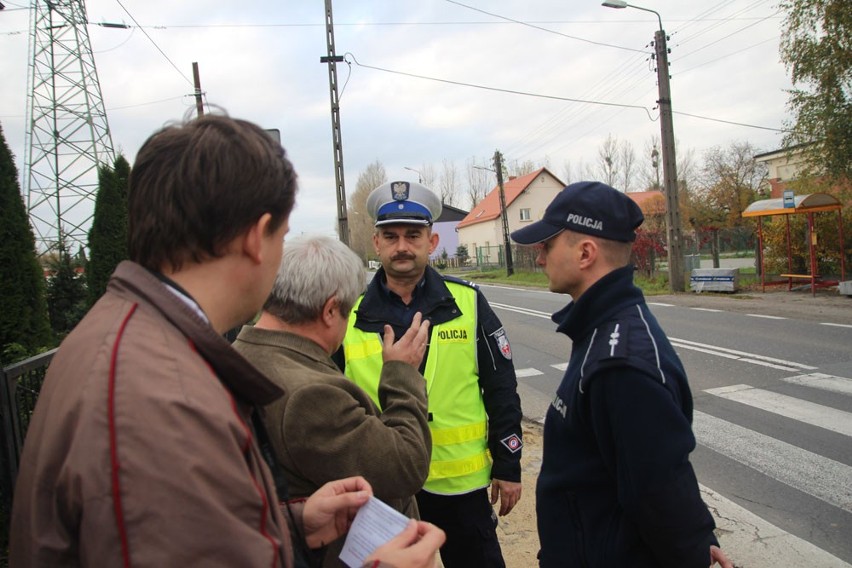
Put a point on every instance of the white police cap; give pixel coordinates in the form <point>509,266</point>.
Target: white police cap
<point>403,202</point>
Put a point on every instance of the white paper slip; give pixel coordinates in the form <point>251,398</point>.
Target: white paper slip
<point>375,524</point>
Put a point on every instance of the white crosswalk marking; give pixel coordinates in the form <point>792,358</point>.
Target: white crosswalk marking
<point>806,471</point>
<point>801,410</point>
<point>756,543</point>
<point>822,381</point>
<point>744,356</point>
<point>529,372</point>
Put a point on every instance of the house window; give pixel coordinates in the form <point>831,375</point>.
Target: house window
<point>525,214</point>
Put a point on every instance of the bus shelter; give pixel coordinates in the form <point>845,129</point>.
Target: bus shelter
<point>798,205</point>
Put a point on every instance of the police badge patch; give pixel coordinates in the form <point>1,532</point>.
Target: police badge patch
<point>399,190</point>
<point>503,343</point>
<point>513,443</point>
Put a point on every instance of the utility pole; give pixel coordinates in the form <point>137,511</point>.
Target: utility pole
<point>337,140</point>
<point>673,226</point>
<point>507,245</point>
<point>196,79</point>
<point>674,237</point>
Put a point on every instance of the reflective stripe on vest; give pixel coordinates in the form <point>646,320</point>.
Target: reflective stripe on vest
<point>460,458</point>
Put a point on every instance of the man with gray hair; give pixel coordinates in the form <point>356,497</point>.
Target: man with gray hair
<point>326,427</point>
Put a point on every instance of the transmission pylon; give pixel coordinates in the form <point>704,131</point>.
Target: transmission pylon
<point>67,135</point>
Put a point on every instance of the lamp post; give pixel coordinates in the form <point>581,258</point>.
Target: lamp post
<point>419,176</point>
<point>507,245</point>
<point>674,236</point>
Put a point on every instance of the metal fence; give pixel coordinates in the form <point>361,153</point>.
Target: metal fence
<point>20,384</point>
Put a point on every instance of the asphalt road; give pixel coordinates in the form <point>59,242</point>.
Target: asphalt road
<point>771,377</point>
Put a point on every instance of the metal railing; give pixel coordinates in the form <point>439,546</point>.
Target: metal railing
<point>20,384</point>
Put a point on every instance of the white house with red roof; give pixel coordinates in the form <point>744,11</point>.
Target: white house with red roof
<point>527,197</point>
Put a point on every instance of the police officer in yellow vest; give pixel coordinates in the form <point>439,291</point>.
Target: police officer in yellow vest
<point>474,409</point>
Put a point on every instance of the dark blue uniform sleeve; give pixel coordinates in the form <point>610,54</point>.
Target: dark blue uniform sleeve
<point>645,440</point>
<point>500,393</point>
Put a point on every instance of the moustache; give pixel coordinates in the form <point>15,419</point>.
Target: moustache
<point>403,256</point>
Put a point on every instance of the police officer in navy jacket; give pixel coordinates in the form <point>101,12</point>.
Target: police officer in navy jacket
<point>616,487</point>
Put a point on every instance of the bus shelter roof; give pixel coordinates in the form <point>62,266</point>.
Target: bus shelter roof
<point>811,203</point>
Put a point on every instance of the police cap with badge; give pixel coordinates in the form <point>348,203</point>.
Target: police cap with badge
<point>588,207</point>
<point>403,202</point>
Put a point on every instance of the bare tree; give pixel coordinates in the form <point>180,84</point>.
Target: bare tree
<point>428,176</point>
<point>449,183</point>
<point>627,170</point>
<point>477,183</point>
<point>517,169</point>
<point>587,171</point>
<point>731,179</point>
<point>360,223</point>
<point>687,170</point>
<point>567,172</point>
<point>652,164</point>
<point>607,166</point>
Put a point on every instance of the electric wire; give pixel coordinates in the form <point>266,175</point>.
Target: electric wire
<point>539,27</point>
<point>551,97</point>
<point>684,71</point>
<point>701,17</point>
<point>181,73</point>
<point>147,103</point>
<point>494,89</point>
<point>694,51</point>
<point>729,121</point>
<point>716,24</point>
<point>559,124</point>
<point>129,37</point>
<point>388,24</point>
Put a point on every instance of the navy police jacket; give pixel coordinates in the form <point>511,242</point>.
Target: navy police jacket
<point>616,488</point>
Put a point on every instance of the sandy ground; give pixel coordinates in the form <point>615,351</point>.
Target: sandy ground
<point>517,530</point>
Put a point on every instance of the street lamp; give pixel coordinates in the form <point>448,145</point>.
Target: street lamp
<point>419,177</point>
<point>673,227</point>
<point>507,245</point>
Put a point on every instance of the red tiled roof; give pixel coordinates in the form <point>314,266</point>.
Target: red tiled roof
<point>489,208</point>
<point>650,202</point>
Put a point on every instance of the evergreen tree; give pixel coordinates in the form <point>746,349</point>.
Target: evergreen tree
<point>23,315</point>
<point>108,235</point>
<point>66,294</point>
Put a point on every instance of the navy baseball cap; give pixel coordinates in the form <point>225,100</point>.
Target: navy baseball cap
<point>588,207</point>
<point>403,202</point>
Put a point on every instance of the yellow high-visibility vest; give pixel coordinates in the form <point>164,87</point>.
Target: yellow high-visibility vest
<point>460,458</point>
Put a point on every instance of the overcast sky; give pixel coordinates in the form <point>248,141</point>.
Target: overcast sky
<point>259,60</point>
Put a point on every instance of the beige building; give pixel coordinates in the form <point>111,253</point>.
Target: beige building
<point>782,166</point>
<point>481,231</point>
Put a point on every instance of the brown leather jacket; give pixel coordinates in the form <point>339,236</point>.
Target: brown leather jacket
<point>140,451</point>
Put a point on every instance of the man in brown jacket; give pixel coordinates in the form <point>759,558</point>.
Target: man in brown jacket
<point>325,426</point>
<point>142,449</point>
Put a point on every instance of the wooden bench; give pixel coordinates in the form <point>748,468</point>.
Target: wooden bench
<point>804,276</point>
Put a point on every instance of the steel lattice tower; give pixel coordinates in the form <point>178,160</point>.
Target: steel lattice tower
<point>67,134</point>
